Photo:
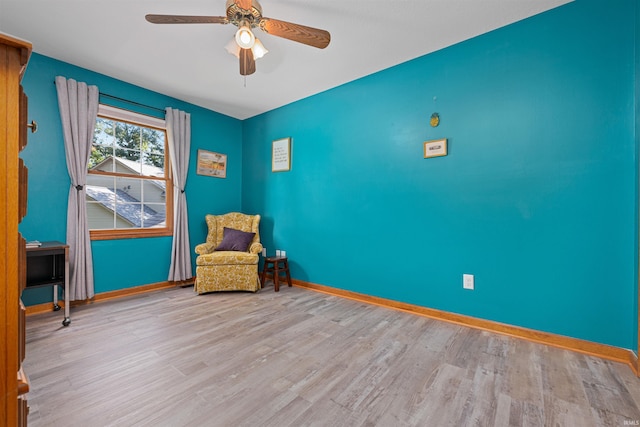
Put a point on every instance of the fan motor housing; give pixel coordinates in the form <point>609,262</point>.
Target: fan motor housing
<point>235,15</point>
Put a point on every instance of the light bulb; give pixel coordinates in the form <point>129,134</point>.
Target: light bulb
<point>258,50</point>
<point>245,38</point>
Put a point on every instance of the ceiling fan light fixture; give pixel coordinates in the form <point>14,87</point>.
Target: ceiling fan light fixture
<point>259,50</point>
<point>233,48</point>
<point>244,37</point>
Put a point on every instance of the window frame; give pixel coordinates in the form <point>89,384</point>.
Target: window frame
<point>133,118</point>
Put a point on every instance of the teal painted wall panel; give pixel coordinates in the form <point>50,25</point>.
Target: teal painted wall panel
<point>636,319</point>
<point>537,197</point>
<point>122,263</point>
<point>136,263</point>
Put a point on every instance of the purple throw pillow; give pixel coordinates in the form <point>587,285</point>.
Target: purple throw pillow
<point>235,240</point>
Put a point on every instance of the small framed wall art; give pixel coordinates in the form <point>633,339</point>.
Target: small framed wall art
<point>212,164</point>
<point>281,155</point>
<point>435,148</point>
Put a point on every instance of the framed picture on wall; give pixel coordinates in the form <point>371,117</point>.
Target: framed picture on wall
<point>435,148</point>
<point>212,164</point>
<point>281,155</point>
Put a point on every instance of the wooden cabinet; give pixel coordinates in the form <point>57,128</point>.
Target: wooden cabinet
<point>14,55</point>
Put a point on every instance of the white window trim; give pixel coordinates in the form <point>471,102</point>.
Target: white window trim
<point>120,114</point>
<point>130,116</point>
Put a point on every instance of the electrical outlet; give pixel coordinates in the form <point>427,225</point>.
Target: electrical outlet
<point>283,253</point>
<point>264,252</point>
<point>467,281</point>
<point>277,252</point>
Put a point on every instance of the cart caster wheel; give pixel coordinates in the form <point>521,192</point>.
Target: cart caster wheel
<point>56,307</point>
<point>66,321</point>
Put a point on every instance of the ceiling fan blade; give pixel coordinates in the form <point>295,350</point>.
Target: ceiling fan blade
<point>244,4</point>
<point>186,19</point>
<point>247,63</point>
<point>298,33</point>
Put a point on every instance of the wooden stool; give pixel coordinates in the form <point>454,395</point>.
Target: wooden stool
<point>275,265</point>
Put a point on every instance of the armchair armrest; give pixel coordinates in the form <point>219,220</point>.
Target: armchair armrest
<point>255,248</point>
<point>204,248</point>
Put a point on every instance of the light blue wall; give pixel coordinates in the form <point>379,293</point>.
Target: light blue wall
<point>129,262</point>
<point>537,197</point>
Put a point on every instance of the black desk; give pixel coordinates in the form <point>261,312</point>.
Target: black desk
<point>48,265</point>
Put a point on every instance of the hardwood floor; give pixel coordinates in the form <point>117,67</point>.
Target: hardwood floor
<point>302,358</point>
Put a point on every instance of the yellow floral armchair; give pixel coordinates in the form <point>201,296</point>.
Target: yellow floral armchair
<point>221,269</point>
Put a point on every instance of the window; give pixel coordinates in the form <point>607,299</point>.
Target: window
<point>128,183</point>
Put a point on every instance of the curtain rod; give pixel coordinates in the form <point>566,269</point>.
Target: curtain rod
<point>106,95</point>
<point>117,98</point>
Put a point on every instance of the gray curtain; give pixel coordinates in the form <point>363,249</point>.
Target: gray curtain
<point>78,104</point>
<point>179,139</point>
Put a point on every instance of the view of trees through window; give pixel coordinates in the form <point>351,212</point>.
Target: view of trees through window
<point>126,183</point>
<point>127,141</point>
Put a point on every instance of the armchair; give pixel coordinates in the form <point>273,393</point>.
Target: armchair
<point>223,262</point>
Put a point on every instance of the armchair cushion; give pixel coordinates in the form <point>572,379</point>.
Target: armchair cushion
<point>235,240</point>
<point>221,258</point>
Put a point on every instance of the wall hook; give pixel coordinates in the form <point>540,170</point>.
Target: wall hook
<point>33,125</point>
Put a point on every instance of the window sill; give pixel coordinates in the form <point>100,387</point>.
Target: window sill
<point>129,234</point>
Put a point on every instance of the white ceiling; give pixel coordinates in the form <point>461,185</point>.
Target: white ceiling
<point>189,62</point>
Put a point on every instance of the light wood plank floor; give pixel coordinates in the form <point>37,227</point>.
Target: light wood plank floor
<point>302,358</point>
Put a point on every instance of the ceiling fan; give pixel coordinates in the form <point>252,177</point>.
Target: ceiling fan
<point>246,15</point>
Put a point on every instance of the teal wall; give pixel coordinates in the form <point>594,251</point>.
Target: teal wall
<point>128,262</point>
<point>537,197</point>
<point>637,161</point>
